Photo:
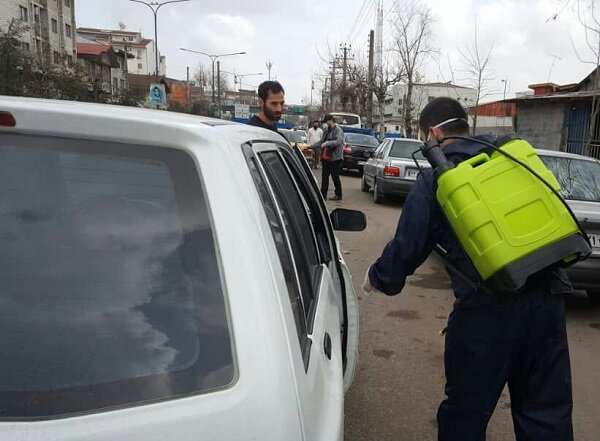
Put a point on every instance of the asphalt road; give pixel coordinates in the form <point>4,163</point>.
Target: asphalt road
<point>400,377</point>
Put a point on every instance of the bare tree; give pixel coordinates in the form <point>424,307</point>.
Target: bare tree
<point>413,22</point>
<point>387,76</point>
<point>476,64</point>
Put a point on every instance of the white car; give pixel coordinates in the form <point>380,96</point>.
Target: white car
<point>166,277</point>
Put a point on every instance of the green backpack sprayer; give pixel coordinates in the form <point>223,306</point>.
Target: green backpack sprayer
<point>507,213</point>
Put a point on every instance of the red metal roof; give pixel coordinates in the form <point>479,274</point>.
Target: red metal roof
<point>92,48</point>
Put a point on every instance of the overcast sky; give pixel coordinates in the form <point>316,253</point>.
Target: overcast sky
<point>528,49</point>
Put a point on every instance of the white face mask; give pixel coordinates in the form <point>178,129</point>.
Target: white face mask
<point>443,123</point>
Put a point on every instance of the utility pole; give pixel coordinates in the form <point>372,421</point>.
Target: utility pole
<point>371,78</point>
<point>332,85</point>
<point>312,87</point>
<point>344,91</point>
<point>219,87</point>
<point>189,89</point>
<point>269,66</point>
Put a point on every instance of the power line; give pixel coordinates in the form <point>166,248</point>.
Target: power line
<point>356,20</point>
<point>358,29</point>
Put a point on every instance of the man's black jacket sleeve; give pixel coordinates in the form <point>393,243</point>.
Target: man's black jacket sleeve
<point>416,235</point>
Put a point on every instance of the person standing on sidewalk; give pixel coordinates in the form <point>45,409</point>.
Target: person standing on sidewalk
<point>315,134</point>
<point>332,155</point>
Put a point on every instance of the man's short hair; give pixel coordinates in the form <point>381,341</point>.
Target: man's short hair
<point>269,86</point>
<point>328,117</point>
<point>443,109</point>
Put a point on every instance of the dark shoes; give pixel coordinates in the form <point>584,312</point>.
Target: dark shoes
<point>336,198</point>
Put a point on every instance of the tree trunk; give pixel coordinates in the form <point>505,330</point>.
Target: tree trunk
<point>408,110</point>
<point>381,119</point>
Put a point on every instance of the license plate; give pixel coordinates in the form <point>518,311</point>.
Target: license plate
<point>411,173</point>
<point>595,240</point>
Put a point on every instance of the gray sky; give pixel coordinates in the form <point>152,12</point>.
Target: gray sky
<point>527,49</point>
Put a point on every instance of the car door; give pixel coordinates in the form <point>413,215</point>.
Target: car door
<point>370,169</point>
<point>349,314</point>
<point>313,296</point>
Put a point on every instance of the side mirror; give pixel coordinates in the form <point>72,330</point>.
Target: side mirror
<point>348,220</point>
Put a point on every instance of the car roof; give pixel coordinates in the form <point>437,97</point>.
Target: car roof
<point>131,125</point>
<point>557,154</point>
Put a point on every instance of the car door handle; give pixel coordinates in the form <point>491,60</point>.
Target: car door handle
<point>327,346</point>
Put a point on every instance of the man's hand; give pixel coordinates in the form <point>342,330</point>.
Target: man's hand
<point>366,287</point>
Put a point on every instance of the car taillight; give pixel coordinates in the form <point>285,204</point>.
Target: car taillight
<point>391,171</point>
<point>7,120</point>
<point>347,149</point>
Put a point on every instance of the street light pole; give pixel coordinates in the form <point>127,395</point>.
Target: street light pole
<point>155,6</point>
<point>504,95</point>
<point>213,58</point>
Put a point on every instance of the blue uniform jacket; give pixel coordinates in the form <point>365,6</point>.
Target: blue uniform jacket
<point>422,225</point>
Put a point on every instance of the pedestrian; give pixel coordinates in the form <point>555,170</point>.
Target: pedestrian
<point>332,154</point>
<point>315,134</point>
<point>492,339</point>
<point>271,99</point>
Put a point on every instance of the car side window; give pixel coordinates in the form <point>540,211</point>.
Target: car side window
<point>283,251</point>
<point>296,222</point>
<point>381,149</point>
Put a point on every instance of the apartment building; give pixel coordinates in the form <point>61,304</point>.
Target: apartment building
<point>50,28</point>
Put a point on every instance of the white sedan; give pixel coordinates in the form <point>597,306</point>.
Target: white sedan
<point>166,277</point>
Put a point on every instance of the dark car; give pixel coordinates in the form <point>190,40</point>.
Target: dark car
<point>579,178</point>
<point>358,148</point>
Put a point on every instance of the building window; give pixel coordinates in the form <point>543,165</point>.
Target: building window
<point>68,30</point>
<point>68,3</point>
<point>70,60</point>
<point>397,128</point>
<point>130,38</point>
<point>139,65</point>
<point>115,86</point>
<point>122,84</point>
<point>54,26</point>
<point>139,53</point>
<point>23,13</point>
<point>56,57</point>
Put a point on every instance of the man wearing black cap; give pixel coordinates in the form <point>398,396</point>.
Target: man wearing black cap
<point>332,155</point>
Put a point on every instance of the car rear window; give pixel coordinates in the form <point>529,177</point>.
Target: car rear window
<point>110,291</point>
<point>579,179</point>
<point>292,136</point>
<point>367,140</point>
<point>405,149</point>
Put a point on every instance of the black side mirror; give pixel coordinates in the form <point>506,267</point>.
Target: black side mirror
<point>348,220</point>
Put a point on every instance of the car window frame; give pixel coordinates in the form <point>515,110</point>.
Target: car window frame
<point>308,314</point>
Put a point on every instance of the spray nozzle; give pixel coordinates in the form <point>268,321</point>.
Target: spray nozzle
<point>432,151</point>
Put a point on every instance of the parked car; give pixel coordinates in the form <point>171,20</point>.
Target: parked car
<point>166,277</point>
<point>357,149</point>
<point>392,169</point>
<point>579,177</point>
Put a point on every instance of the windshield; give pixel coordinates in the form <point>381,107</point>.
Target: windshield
<point>292,135</point>
<point>353,138</point>
<point>110,290</point>
<point>579,179</point>
<point>346,120</point>
<point>405,149</point>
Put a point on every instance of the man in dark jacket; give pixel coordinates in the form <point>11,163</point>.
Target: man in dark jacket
<point>492,338</point>
<point>271,98</point>
<point>332,155</point>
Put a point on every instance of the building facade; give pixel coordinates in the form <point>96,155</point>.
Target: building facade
<point>421,95</point>
<point>142,59</point>
<point>50,28</point>
<point>105,68</point>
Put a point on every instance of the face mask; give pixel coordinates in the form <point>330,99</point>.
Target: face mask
<point>443,123</point>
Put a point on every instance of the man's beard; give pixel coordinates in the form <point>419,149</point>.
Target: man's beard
<point>273,116</point>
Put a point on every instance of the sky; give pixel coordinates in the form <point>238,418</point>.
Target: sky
<point>296,35</point>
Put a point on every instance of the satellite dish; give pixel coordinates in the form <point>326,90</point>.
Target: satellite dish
<point>122,26</point>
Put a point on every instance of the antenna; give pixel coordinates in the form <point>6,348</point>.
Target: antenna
<point>122,26</point>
